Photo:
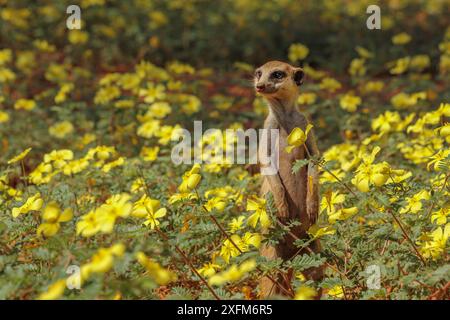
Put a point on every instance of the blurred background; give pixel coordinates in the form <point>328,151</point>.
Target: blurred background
<point>221,32</point>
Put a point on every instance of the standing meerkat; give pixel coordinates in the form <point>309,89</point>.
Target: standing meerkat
<point>296,196</point>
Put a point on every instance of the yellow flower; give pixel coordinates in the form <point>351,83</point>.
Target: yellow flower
<point>236,224</point>
<point>180,68</point>
<point>403,100</point>
<point>4,117</point>
<point>167,133</point>
<point>54,291</point>
<point>330,199</point>
<point>297,138</point>
<point>88,225</point>
<point>440,216</point>
<point>6,75</point>
<point>414,203</point>
<point>138,185</point>
<point>258,205</point>
<point>305,293</point>
<point>78,36</point>
<point>298,51</point>
<point>330,178</point>
<point>373,86</point>
<point>209,269</point>
<point>307,98</point>
<point>20,156</point>
<point>330,84</point>
<point>38,175</point>
<point>25,104</point>
<point>229,250</point>
<point>149,128</point>
<point>101,152</point>
<point>53,216</point>
<point>61,129</point>
<point>357,67</point>
<point>44,46</point>
<point>153,92</point>
<point>161,275</point>
<point>144,206</point>
<point>62,93</point>
<point>420,62</point>
<point>191,179</point>
<point>75,166</point>
<point>182,196</point>
<point>113,164</point>
<point>117,206</point>
<point>189,103</point>
<point>58,158</point>
<point>400,66</point>
<point>216,203</point>
<point>364,53</point>
<point>232,274</point>
<point>103,260</point>
<point>342,214</point>
<point>159,110</point>
<point>149,153</point>
<point>369,173</point>
<point>350,102</point>
<point>106,94</point>
<point>401,38</point>
<point>249,239</point>
<point>152,218</point>
<point>316,231</point>
<point>444,131</point>
<point>433,244</point>
<point>124,104</point>
<point>336,292</point>
<point>5,56</point>
<point>438,160</point>
<point>33,203</point>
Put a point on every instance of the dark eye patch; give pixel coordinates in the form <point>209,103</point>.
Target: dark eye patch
<point>258,74</point>
<point>278,75</point>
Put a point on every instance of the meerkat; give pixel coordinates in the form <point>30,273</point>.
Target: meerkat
<point>296,196</point>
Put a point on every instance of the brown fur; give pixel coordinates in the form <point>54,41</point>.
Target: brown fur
<point>294,199</point>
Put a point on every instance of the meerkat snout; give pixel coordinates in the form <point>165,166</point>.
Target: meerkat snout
<point>276,78</point>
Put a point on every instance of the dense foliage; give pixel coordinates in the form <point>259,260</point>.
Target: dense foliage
<point>87,116</point>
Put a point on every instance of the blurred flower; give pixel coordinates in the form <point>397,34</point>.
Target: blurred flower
<point>54,291</point>
<point>297,51</point>
<point>232,274</point>
<point>25,104</point>
<point>61,129</point>
<point>305,293</point>
<point>401,38</point>
<point>20,156</point>
<point>52,217</point>
<point>149,153</point>
<point>330,84</point>
<point>350,102</point>
<point>33,203</point>
<point>159,274</point>
<point>4,117</point>
<point>336,292</point>
<point>307,98</point>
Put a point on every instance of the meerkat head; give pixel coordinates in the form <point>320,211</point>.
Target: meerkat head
<point>278,80</point>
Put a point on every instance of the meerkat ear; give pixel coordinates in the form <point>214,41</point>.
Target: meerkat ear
<point>298,76</point>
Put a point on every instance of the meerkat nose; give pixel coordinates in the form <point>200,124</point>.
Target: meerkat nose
<point>260,87</point>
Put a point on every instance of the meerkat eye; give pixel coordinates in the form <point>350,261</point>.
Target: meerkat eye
<point>258,74</point>
<point>278,75</point>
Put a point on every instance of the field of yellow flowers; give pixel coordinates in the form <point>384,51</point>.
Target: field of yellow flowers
<point>92,207</point>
